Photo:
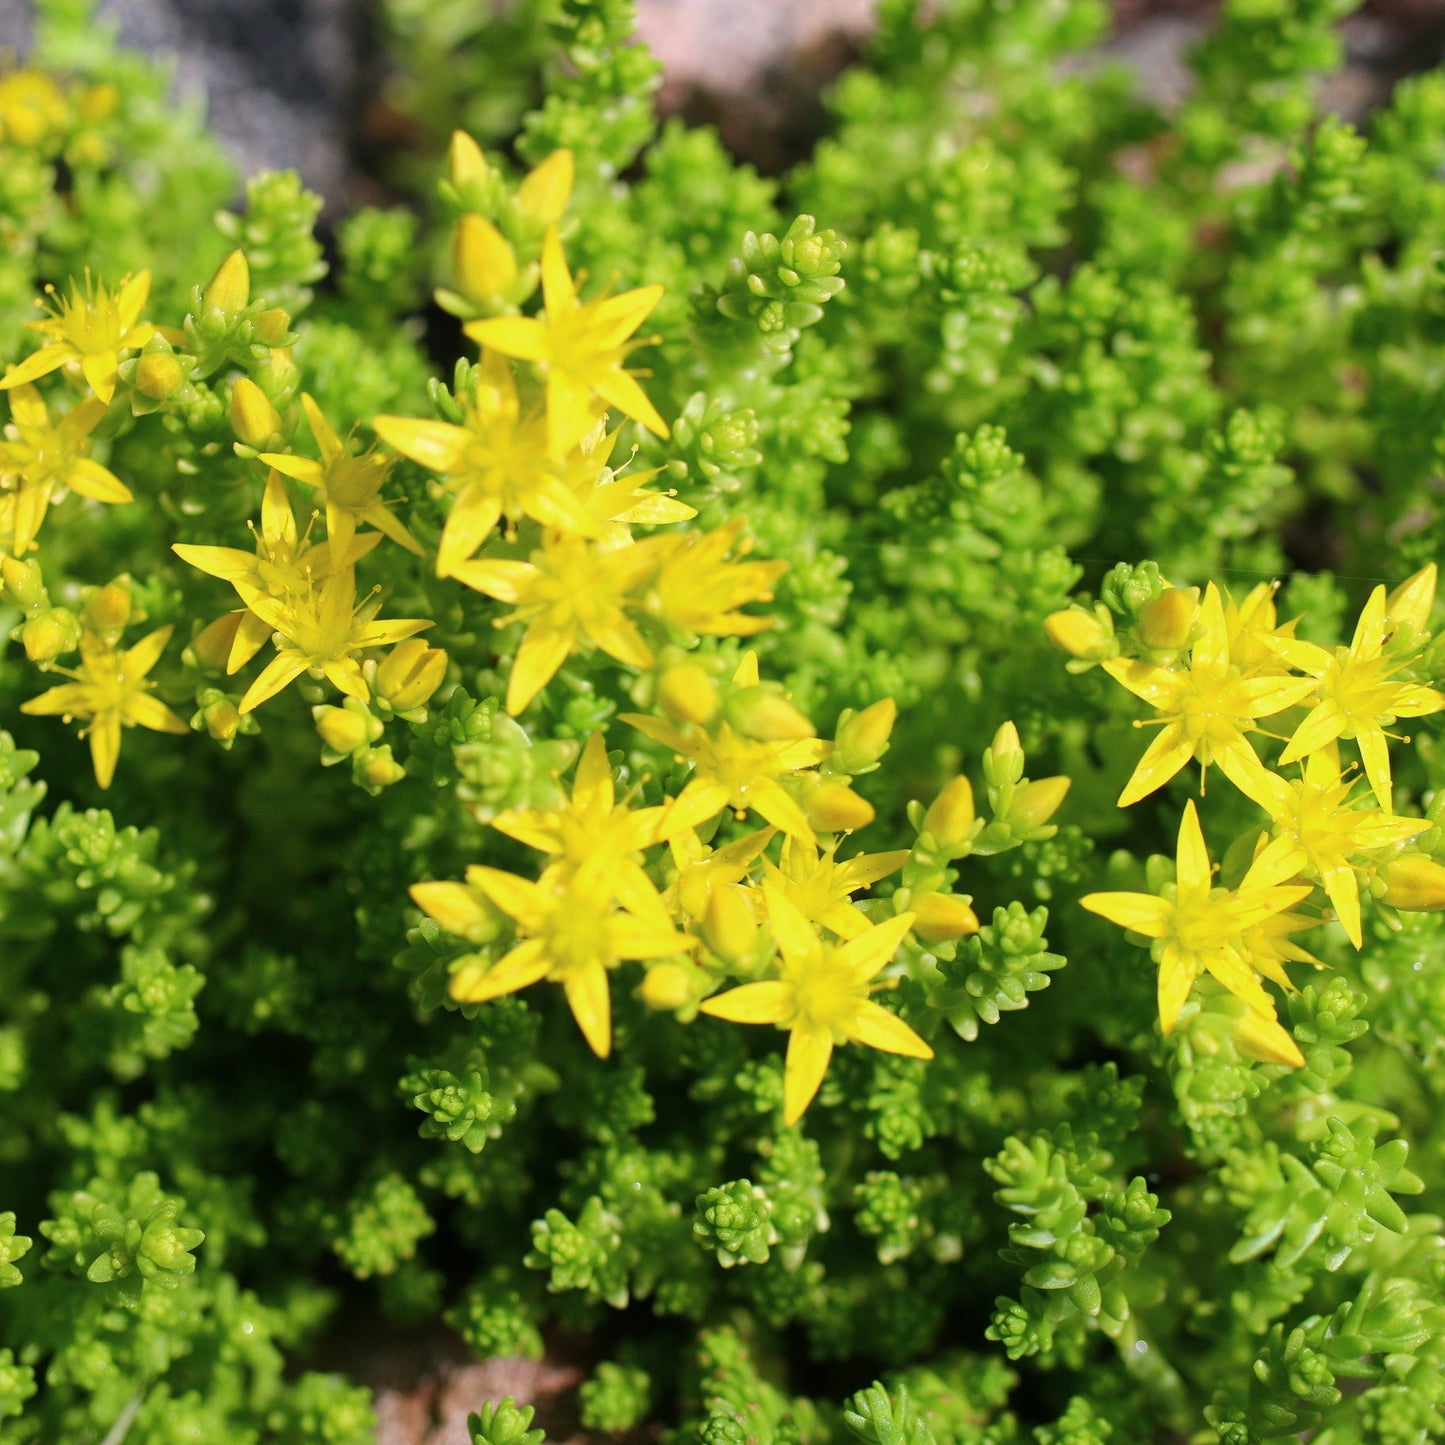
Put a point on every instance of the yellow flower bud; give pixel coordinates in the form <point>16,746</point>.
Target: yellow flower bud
<point>950,818</point>
<point>465,161</point>
<point>730,926</point>
<point>542,198</point>
<point>1259,1037</point>
<point>222,719</point>
<point>1414,882</point>
<point>229,289</point>
<point>344,730</point>
<point>409,674</point>
<point>107,609</point>
<point>483,264</point>
<point>1167,621</point>
<point>1005,760</point>
<point>687,692</point>
<point>941,916</point>
<point>1037,802</point>
<point>1409,605</point>
<point>835,808</point>
<point>863,736</point>
<point>23,583</point>
<point>253,418</point>
<point>380,769</point>
<point>50,634</point>
<point>212,644</point>
<point>668,986</point>
<point>765,715</point>
<point>1080,633</point>
<point>158,375</point>
<point>271,326</point>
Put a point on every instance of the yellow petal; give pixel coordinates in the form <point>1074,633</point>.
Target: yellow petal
<point>105,747</point>
<point>1155,685</point>
<point>622,390</point>
<point>99,369</point>
<point>794,934</point>
<point>1191,860</point>
<point>151,712</point>
<point>517,897</point>
<point>809,1050</point>
<point>867,954</point>
<point>1344,894</point>
<point>519,969</point>
<point>453,905</point>
<point>147,652</point>
<point>523,337</point>
<point>752,1003</point>
<point>558,292</point>
<point>591,1005</point>
<point>41,363</point>
<point>1375,755</point>
<point>772,803</point>
<point>592,784</point>
<point>437,445</point>
<point>879,1029</point>
<point>1169,752</point>
<point>469,524</point>
<point>543,651</point>
<point>1176,977</point>
<point>90,479</point>
<point>1138,912</point>
<point>284,668</point>
<point>132,298</point>
<point>63,701</point>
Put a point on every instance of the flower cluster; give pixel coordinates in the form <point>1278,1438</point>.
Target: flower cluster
<point>1212,669</point>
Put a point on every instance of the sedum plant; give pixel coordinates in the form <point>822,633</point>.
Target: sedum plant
<point>447,669</point>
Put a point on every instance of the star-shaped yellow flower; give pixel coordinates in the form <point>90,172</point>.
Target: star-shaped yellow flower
<point>570,932</point>
<point>581,346</point>
<point>110,688</point>
<point>820,887</point>
<point>1206,709</point>
<point>821,997</point>
<point>1357,696</point>
<point>347,483</point>
<point>91,327</point>
<point>1200,928</point>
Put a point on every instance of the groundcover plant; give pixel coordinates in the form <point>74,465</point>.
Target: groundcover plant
<point>821,794</point>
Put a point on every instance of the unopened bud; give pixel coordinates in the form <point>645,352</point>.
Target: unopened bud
<point>1080,633</point>
<point>1037,802</point>
<point>221,719</point>
<point>1167,621</point>
<point>50,634</point>
<point>835,808</point>
<point>1259,1037</point>
<point>24,586</point>
<point>465,162</point>
<point>1414,882</point>
<point>862,737</point>
<point>483,265</point>
<point>687,693</point>
<point>542,198</point>
<point>1003,759</point>
<point>729,925</point>
<point>253,418</point>
<point>380,769</point>
<point>409,674</point>
<point>345,730</point>
<point>669,986</point>
<point>950,818</point>
<point>942,916</point>
<point>212,644</point>
<point>1409,605</point>
<point>107,610</point>
<point>229,289</point>
<point>158,375</point>
<point>764,714</point>
<point>457,908</point>
<point>271,326</point>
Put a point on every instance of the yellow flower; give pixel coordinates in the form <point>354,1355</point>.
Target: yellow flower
<point>614,500</point>
<point>1205,710</point>
<point>570,932</point>
<point>700,870</point>
<point>818,886</point>
<point>1325,832</point>
<point>730,770</point>
<point>33,111</point>
<point>1356,696</point>
<point>821,998</point>
<point>1198,928</point>
<point>91,327</point>
<point>284,565</point>
<point>349,485</point>
<point>323,631</point>
<point>582,348</point>
<point>38,456</point>
<point>697,590</point>
<point>570,592</point>
<point>110,689</point>
<point>1252,627</point>
<point>495,465</point>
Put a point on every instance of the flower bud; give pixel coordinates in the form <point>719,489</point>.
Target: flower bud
<point>229,289</point>
<point>729,925</point>
<point>1257,1036</point>
<point>950,818</point>
<point>409,674</point>
<point>483,265</point>
<point>271,326</point>
<point>253,418</point>
<point>835,808</point>
<point>1409,605</point>
<point>862,737</point>
<point>764,714</point>
<point>687,693</point>
<point>1037,802</point>
<point>221,717</point>
<point>1003,759</point>
<point>51,633</point>
<point>24,586</point>
<point>344,730</point>
<point>465,162</point>
<point>380,769</point>
<point>107,610</point>
<point>668,986</point>
<point>542,197</point>
<point>158,375</point>
<point>1414,882</point>
<point>942,916</point>
<point>212,644</point>
<point>1080,633</point>
<point>1167,621</point>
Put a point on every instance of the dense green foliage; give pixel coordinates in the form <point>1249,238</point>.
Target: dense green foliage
<point>1008,325</point>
